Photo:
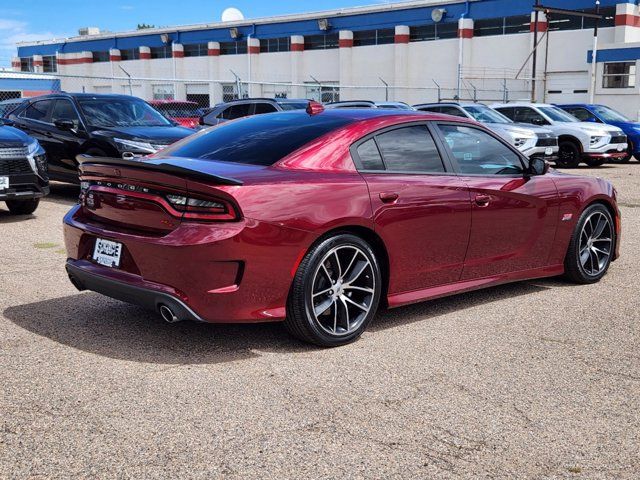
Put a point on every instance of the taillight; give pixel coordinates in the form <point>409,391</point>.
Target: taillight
<point>201,209</point>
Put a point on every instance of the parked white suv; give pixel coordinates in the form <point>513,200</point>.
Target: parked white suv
<point>578,141</point>
<point>532,141</point>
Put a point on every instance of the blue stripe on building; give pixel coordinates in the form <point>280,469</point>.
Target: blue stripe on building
<point>481,9</point>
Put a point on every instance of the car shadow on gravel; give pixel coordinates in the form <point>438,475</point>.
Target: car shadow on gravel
<point>7,217</point>
<point>96,324</point>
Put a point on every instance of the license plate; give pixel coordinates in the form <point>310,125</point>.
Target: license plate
<point>548,151</point>
<point>4,183</point>
<point>107,253</point>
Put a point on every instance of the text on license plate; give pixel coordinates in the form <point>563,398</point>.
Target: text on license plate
<point>107,253</point>
<point>4,183</point>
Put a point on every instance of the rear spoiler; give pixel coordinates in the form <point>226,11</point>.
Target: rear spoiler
<point>161,167</point>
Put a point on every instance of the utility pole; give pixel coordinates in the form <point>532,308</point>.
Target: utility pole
<point>594,65</point>
<point>535,51</point>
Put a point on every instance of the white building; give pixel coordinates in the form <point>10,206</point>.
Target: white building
<point>479,49</point>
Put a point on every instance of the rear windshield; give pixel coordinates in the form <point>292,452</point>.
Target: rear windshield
<point>257,140</point>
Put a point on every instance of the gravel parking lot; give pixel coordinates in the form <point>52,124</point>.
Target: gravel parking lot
<point>538,379</point>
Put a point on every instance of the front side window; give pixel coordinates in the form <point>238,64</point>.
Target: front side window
<point>452,111</point>
<point>529,115</point>
<point>558,115</point>
<point>609,114</point>
<point>38,111</point>
<point>582,114</point>
<point>478,153</point>
<point>410,149</point>
<point>121,112</point>
<point>64,110</point>
<point>619,75</point>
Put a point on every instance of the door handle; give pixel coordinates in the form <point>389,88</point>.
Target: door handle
<point>482,200</point>
<point>389,197</point>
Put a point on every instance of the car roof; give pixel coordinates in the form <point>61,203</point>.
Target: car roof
<point>82,95</point>
<point>171,102</point>
<point>521,104</point>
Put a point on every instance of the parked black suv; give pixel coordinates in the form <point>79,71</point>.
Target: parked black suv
<point>68,124</point>
<point>250,106</point>
<point>23,171</point>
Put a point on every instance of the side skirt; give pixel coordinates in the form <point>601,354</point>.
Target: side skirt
<point>415,296</point>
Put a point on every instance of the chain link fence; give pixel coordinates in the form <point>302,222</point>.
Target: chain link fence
<point>207,93</point>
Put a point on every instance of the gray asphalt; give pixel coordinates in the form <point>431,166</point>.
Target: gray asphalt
<point>532,380</point>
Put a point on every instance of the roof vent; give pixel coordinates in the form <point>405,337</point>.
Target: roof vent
<point>86,31</point>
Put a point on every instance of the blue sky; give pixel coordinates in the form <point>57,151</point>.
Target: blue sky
<point>27,20</point>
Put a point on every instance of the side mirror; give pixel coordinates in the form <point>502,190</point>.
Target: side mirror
<point>67,125</point>
<point>538,166</point>
<point>593,120</point>
<point>7,122</point>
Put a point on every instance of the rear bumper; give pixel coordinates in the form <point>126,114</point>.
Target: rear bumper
<point>83,275</point>
<point>217,272</point>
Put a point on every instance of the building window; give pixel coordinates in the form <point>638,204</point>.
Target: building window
<point>130,54</point>
<point>161,52</point>
<point>569,22</point>
<point>26,64</point>
<point>99,57</point>
<point>196,50</point>
<point>269,45</point>
<point>619,75</point>
<point>374,37</point>
<point>49,64</point>
<point>233,48</point>
<point>439,31</point>
<point>321,42</point>
<point>163,92</point>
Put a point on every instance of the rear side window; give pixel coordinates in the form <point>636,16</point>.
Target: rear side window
<point>452,111</point>
<point>369,156</point>
<point>410,149</point>
<point>236,111</point>
<point>264,108</point>
<point>38,111</point>
<point>256,140</point>
<point>508,112</point>
<point>63,110</point>
<point>581,114</point>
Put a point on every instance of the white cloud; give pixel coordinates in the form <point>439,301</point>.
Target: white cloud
<point>13,32</point>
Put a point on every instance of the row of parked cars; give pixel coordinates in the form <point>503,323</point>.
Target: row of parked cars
<point>65,125</point>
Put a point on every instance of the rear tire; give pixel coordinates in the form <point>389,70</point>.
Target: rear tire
<point>569,154</point>
<point>335,292</point>
<point>594,162</point>
<point>23,207</point>
<point>591,247</point>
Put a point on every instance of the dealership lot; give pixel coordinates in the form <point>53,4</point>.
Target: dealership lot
<point>539,379</point>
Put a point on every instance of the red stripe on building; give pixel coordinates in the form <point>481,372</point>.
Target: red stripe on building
<point>15,64</point>
<point>37,63</point>
<point>77,61</point>
<point>627,21</point>
<point>297,47</point>
<point>178,54</point>
<point>253,49</point>
<point>542,27</point>
<point>213,52</point>
<point>465,33</point>
<point>345,42</point>
<point>401,38</point>
<point>145,55</point>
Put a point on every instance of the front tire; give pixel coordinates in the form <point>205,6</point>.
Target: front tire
<point>568,154</point>
<point>591,247</point>
<point>23,207</point>
<point>335,292</point>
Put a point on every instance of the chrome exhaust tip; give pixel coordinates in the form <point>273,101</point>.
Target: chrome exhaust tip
<point>167,314</point>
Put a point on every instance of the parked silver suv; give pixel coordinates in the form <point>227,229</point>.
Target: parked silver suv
<point>531,141</point>
<point>579,141</point>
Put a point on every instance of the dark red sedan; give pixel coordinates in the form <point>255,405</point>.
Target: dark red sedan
<point>318,218</point>
<point>184,113</point>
